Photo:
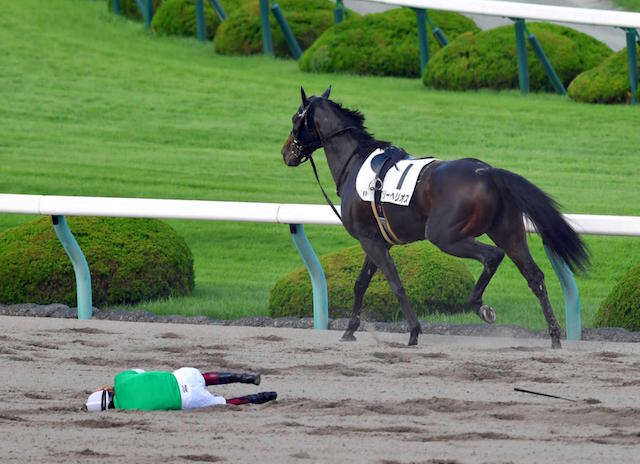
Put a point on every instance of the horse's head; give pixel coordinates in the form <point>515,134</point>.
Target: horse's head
<point>304,138</point>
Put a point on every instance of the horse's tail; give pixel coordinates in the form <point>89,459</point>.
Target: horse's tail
<point>542,211</point>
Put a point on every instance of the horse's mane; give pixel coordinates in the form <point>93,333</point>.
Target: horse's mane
<point>366,141</point>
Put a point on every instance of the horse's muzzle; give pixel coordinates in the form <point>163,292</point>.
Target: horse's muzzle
<point>291,152</point>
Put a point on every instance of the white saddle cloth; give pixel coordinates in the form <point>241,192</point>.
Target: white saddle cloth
<point>399,182</point>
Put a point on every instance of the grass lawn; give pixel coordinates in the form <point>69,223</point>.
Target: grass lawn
<point>92,104</point>
<point>628,5</point>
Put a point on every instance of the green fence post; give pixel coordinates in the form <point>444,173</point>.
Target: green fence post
<point>146,8</point>
<point>546,64</point>
<point>523,65</point>
<point>200,24</point>
<point>267,43</point>
<point>337,12</point>
<point>295,49</point>
<point>142,6</point>
<point>571,296</point>
<point>116,7</point>
<point>439,35</point>
<point>423,42</point>
<point>215,4</point>
<point>149,15</point>
<point>318,280</point>
<point>80,266</point>
<point>632,63</point>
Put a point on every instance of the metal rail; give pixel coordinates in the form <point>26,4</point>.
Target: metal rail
<point>595,17</point>
<point>519,12</point>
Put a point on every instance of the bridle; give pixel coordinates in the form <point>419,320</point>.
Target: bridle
<point>302,152</point>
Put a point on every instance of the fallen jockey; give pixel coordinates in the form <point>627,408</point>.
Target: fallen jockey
<point>184,388</point>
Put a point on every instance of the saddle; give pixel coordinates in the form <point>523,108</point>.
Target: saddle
<point>386,160</point>
<point>381,164</point>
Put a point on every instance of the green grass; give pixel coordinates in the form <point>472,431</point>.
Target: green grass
<point>628,5</point>
<point>91,104</point>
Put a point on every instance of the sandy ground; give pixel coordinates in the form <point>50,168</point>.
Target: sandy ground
<point>449,400</point>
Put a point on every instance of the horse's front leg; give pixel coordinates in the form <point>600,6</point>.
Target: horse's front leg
<point>359,289</point>
<point>378,251</point>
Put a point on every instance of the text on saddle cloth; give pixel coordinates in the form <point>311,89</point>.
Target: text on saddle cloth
<point>398,184</point>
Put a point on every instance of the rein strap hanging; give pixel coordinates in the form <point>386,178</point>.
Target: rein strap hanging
<point>326,197</point>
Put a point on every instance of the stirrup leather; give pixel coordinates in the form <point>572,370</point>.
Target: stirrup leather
<point>383,223</point>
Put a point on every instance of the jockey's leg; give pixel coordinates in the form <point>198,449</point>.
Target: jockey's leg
<point>258,398</point>
<point>219,378</point>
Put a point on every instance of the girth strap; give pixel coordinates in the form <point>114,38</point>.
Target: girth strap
<point>383,224</point>
<point>381,165</point>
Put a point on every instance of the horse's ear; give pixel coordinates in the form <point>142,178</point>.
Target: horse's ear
<point>304,97</point>
<point>326,92</point>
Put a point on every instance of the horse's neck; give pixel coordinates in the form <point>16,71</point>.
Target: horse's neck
<point>341,153</point>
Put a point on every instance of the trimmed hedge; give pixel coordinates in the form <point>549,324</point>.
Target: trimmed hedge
<point>434,282</point>
<point>621,308</point>
<point>241,33</point>
<point>488,59</point>
<point>129,8</point>
<point>606,83</point>
<point>130,260</point>
<point>383,44</point>
<point>178,17</point>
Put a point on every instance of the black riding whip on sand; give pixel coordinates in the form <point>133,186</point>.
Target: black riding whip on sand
<point>522,390</point>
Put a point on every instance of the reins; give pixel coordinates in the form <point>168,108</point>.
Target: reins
<point>315,170</point>
<point>326,197</point>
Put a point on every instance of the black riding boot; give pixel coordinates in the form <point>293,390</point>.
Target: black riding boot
<point>219,378</point>
<point>258,398</point>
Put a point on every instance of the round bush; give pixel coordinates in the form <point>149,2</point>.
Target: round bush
<point>130,260</point>
<point>129,8</point>
<point>178,17</point>
<point>434,282</point>
<point>621,308</point>
<point>488,59</point>
<point>606,83</point>
<point>383,44</point>
<point>241,33</point>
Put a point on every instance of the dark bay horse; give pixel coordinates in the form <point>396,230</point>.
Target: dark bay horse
<point>453,203</point>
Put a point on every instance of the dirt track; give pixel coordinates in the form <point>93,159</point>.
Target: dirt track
<point>451,399</point>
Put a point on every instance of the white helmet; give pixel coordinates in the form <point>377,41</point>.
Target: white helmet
<point>100,400</point>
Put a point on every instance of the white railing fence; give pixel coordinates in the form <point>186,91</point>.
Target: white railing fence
<point>295,215</point>
<point>596,17</point>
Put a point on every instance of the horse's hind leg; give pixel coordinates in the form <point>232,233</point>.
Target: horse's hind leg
<point>515,245</point>
<point>379,254</point>
<point>359,289</point>
<point>488,255</point>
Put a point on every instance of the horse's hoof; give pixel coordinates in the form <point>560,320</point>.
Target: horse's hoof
<point>487,314</point>
<point>555,343</point>
<point>413,339</point>
<point>348,338</point>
